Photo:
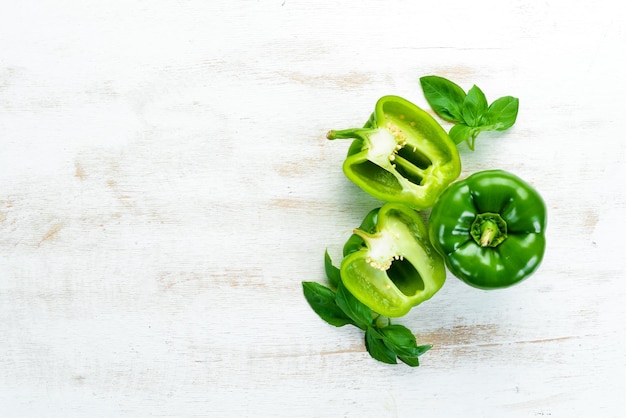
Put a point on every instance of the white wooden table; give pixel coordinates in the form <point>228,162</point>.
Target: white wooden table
<point>165,187</point>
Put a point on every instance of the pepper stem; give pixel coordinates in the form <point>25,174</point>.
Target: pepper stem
<point>365,235</point>
<point>489,232</point>
<point>343,133</point>
<point>488,229</point>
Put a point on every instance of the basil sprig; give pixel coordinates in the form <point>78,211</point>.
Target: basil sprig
<point>470,112</point>
<point>384,341</point>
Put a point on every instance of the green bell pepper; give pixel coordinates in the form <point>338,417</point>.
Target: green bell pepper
<point>389,263</point>
<point>401,154</point>
<point>490,229</point>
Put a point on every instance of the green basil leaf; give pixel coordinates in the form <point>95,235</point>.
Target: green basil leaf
<point>502,112</point>
<point>445,97</point>
<point>460,132</point>
<point>323,302</point>
<point>402,342</point>
<point>377,348</point>
<point>421,349</point>
<point>400,339</point>
<point>413,358</point>
<point>412,361</point>
<point>332,272</point>
<point>474,107</point>
<point>398,335</point>
<point>353,308</point>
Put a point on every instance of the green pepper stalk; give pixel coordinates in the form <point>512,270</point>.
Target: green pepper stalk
<point>401,155</point>
<point>389,263</point>
<point>490,229</point>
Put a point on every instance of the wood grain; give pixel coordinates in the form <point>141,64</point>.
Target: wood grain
<point>166,186</point>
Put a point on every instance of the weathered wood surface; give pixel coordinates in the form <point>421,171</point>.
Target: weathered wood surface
<point>165,186</point>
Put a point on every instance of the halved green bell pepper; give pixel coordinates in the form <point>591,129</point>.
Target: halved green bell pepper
<point>389,263</point>
<point>490,229</point>
<point>401,154</point>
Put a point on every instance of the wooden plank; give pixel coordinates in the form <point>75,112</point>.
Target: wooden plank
<point>166,186</point>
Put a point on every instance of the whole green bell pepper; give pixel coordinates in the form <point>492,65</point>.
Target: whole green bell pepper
<point>401,154</point>
<point>389,263</point>
<point>490,229</point>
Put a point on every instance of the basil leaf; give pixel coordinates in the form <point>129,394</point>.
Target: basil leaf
<point>353,308</point>
<point>474,107</point>
<point>502,113</point>
<point>323,302</point>
<point>398,335</point>
<point>377,348</point>
<point>445,97</point>
<point>421,349</point>
<point>402,342</point>
<point>411,360</point>
<point>332,272</point>
<point>460,132</point>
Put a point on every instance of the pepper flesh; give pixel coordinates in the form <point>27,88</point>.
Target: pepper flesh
<point>389,263</point>
<point>401,154</point>
<point>490,229</point>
